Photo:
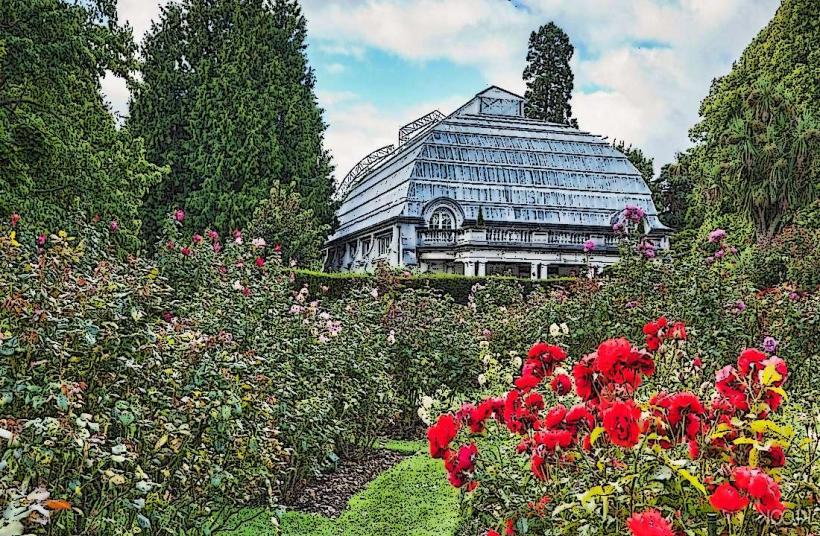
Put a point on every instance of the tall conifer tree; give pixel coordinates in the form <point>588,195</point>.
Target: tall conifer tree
<point>60,150</point>
<point>549,77</point>
<point>227,101</point>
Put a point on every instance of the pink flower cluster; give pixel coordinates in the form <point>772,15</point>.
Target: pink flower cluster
<point>718,236</point>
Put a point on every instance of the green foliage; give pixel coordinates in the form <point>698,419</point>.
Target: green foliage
<point>60,150</point>
<point>755,146</point>
<point>770,156</point>
<point>792,256</point>
<point>282,219</point>
<point>458,287</point>
<point>549,77</point>
<point>230,124</point>
<point>671,191</point>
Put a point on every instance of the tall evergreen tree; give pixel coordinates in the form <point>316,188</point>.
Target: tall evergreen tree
<point>227,101</point>
<point>60,150</point>
<point>549,77</point>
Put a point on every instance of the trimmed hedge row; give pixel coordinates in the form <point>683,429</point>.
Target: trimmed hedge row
<point>458,287</point>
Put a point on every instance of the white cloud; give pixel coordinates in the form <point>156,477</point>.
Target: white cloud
<point>646,95</point>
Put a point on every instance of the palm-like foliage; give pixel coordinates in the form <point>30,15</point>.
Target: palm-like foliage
<point>771,158</point>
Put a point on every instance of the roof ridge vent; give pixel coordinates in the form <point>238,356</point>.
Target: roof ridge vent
<point>411,129</point>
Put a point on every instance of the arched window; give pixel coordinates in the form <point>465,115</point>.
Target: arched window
<point>442,218</point>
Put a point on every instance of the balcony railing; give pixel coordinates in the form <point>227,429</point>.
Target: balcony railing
<point>439,238</point>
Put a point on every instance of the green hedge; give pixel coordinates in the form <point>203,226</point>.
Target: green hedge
<point>338,285</point>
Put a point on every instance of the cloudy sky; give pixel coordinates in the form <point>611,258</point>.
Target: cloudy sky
<point>641,66</point>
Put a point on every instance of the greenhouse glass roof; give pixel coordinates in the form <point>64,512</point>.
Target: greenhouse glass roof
<point>517,170</point>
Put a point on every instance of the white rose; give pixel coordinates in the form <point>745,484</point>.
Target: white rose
<point>482,379</point>
<point>426,402</point>
<point>554,330</point>
<point>565,328</point>
<point>516,361</point>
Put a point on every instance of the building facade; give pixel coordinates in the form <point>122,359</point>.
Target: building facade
<point>487,191</point>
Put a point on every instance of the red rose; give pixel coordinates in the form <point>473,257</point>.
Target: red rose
<point>621,364</point>
<point>587,384</point>
<point>552,439</point>
<point>749,359</point>
<point>728,499</point>
<point>527,382</point>
<point>561,384</point>
<point>260,262</point>
<point>510,529</point>
<point>678,331</point>
<point>776,456</point>
<point>542,358</point>
<point>554,417</point>
<point>620,420</point>
<point>649,523</point>
<point>730,385</point>
<point>580,414</point>
<point>441,434</point>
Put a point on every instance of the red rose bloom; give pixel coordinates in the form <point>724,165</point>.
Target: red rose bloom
<point>728,499</point>
<point>441,434</point>
<point>775,456</point>
<point>527,382</point>
<point>678,331</point>
<point>510,530</point>
<point>750,359</point>
<point>260,262</point>
<point>554,417</point>
<point>542,358</point>
<point>620,420</point>
<point>649,523</point>
<point>552,439</point>
<point>461,465</point>
<point>561,384</point>
<point>579,414</point>
<point>619,363</point>
<point>730,385</point>
<point>587,384</point>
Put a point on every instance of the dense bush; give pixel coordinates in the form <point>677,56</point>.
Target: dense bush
<point>164,395</point>
<point>458,287</point>
<point>638,440</point>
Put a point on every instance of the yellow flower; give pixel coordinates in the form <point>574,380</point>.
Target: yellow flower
<point>12,239</point>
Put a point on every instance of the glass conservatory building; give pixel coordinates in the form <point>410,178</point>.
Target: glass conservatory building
<point>487,191</point>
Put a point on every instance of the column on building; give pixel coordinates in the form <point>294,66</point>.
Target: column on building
<point>395,246</point>
<point>535,268</point>
<point>482,268</point>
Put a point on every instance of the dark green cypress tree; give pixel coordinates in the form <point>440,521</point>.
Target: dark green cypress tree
<point>227,101</point>
<point>60,150</point>
<point>549,77</point>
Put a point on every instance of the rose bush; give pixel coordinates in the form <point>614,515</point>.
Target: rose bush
<point>617,457</point>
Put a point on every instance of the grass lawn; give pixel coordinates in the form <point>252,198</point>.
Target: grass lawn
<point>410,499</point>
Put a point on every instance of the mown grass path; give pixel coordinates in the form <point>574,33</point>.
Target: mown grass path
<point>410,499</point>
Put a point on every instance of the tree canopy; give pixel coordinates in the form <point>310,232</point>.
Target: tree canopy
<point>227,101</point>
<point>744,161</point>
<point>549,77</point>
<point>60,150</point>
